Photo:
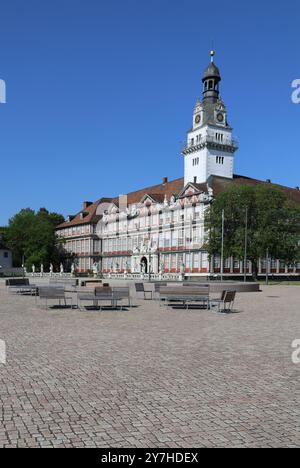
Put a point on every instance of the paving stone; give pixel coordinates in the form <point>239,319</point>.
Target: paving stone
<point>150,377</point>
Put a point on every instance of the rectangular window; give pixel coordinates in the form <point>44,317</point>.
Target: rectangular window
<point>180,238</point>
<point>179,261</point>
<point>188,261</point>
<point>167,240</point>
<point>174,239</point>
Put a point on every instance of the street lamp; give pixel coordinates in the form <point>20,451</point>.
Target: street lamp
<point>222,247</point>
<point>23,265</point>
<point>267,267</point>
<point>150,265</point>
<point>246,245</point>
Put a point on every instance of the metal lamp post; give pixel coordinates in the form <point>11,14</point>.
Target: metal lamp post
<point>267,267</point>
<point>246,246</point>
<point>222,247</point>
<point>150,264</point>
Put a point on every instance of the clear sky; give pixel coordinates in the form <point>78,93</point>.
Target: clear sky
<point>100,93</point>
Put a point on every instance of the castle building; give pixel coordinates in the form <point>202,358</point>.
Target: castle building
<point>160,229</point>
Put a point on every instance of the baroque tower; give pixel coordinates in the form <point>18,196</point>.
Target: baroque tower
<point>210,146</point>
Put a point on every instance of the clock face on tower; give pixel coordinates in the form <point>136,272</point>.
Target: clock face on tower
<point>220,117</point>
<point>197,119</point>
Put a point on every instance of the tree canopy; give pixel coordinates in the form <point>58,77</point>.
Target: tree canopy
<point>31,236</point>
<point>273,224</point>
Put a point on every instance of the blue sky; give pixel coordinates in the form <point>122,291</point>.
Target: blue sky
<point>100,93</point>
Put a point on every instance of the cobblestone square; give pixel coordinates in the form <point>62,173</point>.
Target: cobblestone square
<point>151,377</point>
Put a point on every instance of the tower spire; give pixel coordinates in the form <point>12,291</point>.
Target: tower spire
<point>211,80</point>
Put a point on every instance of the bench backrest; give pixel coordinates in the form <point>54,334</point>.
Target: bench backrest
<point>186,292</point>
<point>139,287</point>
<point>62,282</point>
<point>103,292</point>
<point>51,292</point>
<point>121,292</point>
<point>229,296</point>
<point>17,282</point>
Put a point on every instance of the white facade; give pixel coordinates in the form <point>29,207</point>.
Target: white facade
<point>160,230</point>
<point>210,146</point>
<point>154,236</point>
<point>207,157</point>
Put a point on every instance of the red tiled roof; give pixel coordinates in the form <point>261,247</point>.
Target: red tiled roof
<point>159,191</point>
<point>174,187</point>
<point>90,216</point>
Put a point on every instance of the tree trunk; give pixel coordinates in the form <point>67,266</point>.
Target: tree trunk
<point>254,270</point>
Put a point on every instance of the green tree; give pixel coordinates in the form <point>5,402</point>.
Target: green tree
<point>273,224</point>
<point>31,235</point>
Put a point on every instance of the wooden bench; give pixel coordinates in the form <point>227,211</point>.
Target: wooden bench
<point>112,295</point>
<point>17,282</point>
<point>227,299</point>
<point>140,288</point>
<point>99,294</point>
<point>21,286</point>
<point>120,293</point>
<point>67,284</point>
<point>186,296</point>
<point>55,293</point>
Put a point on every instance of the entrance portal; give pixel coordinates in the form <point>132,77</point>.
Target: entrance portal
<point>144,265</point>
